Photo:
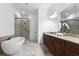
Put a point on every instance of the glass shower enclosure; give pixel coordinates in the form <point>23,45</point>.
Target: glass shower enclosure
<point>22,28</point>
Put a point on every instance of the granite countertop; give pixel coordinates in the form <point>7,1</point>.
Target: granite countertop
<point>64,37</point>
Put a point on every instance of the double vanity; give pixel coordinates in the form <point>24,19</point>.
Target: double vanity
<point>61,45</point>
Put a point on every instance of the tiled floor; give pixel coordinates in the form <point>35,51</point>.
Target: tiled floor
<point>46,51</point>
<point>31,49</point>
<point>2,54</point>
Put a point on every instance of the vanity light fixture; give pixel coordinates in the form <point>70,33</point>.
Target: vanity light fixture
<point>53,15</point>
<point>71,16</point>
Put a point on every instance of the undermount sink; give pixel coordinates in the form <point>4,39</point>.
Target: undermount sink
<point>55,33</point>
<point>65,34</point>
<point>59,34</point>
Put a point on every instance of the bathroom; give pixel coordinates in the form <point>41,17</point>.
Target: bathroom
<point>30,27</point>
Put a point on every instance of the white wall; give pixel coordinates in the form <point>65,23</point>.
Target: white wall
<point>43,21</point>
<point>34,26</point>
<point>46,24</point>
<point>7,12</point>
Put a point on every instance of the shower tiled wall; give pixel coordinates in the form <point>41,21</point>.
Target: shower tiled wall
<point>25,28</point>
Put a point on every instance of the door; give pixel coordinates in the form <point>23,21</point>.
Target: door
<point>59,44</point>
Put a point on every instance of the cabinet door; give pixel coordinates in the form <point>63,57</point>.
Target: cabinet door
<point>49,42</point>
<point>45,40</point>
<point>59,44</point>
<point>69,52</point>
<point>71,49</point>
<point>52,45</point>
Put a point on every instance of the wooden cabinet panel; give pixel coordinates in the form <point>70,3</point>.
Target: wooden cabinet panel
<point>69,52</point>
<point>53,44</point>
<point>71,48</point>
<point>49,42</point>
<point>60,47</point>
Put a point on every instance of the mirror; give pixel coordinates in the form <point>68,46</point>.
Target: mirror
<point>70,12</point>
<point>70,16</point>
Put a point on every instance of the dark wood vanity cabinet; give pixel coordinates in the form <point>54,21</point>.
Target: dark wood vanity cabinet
<point>53,44</point>
<point>60,47</point>
<point>48,43</point>
<point>71,49</point>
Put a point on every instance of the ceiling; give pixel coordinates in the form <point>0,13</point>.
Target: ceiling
<point>32,7</point>
<point>58,7</point>
<point>26,7</point>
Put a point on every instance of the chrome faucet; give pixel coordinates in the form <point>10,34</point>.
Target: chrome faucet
<point>62,30</point>
<point>65,24</point>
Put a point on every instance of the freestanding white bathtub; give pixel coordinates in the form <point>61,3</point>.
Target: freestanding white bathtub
<point>12,46</point>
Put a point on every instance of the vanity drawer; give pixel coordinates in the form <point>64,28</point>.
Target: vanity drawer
<point>72,47</point>
<point>69,52</point>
